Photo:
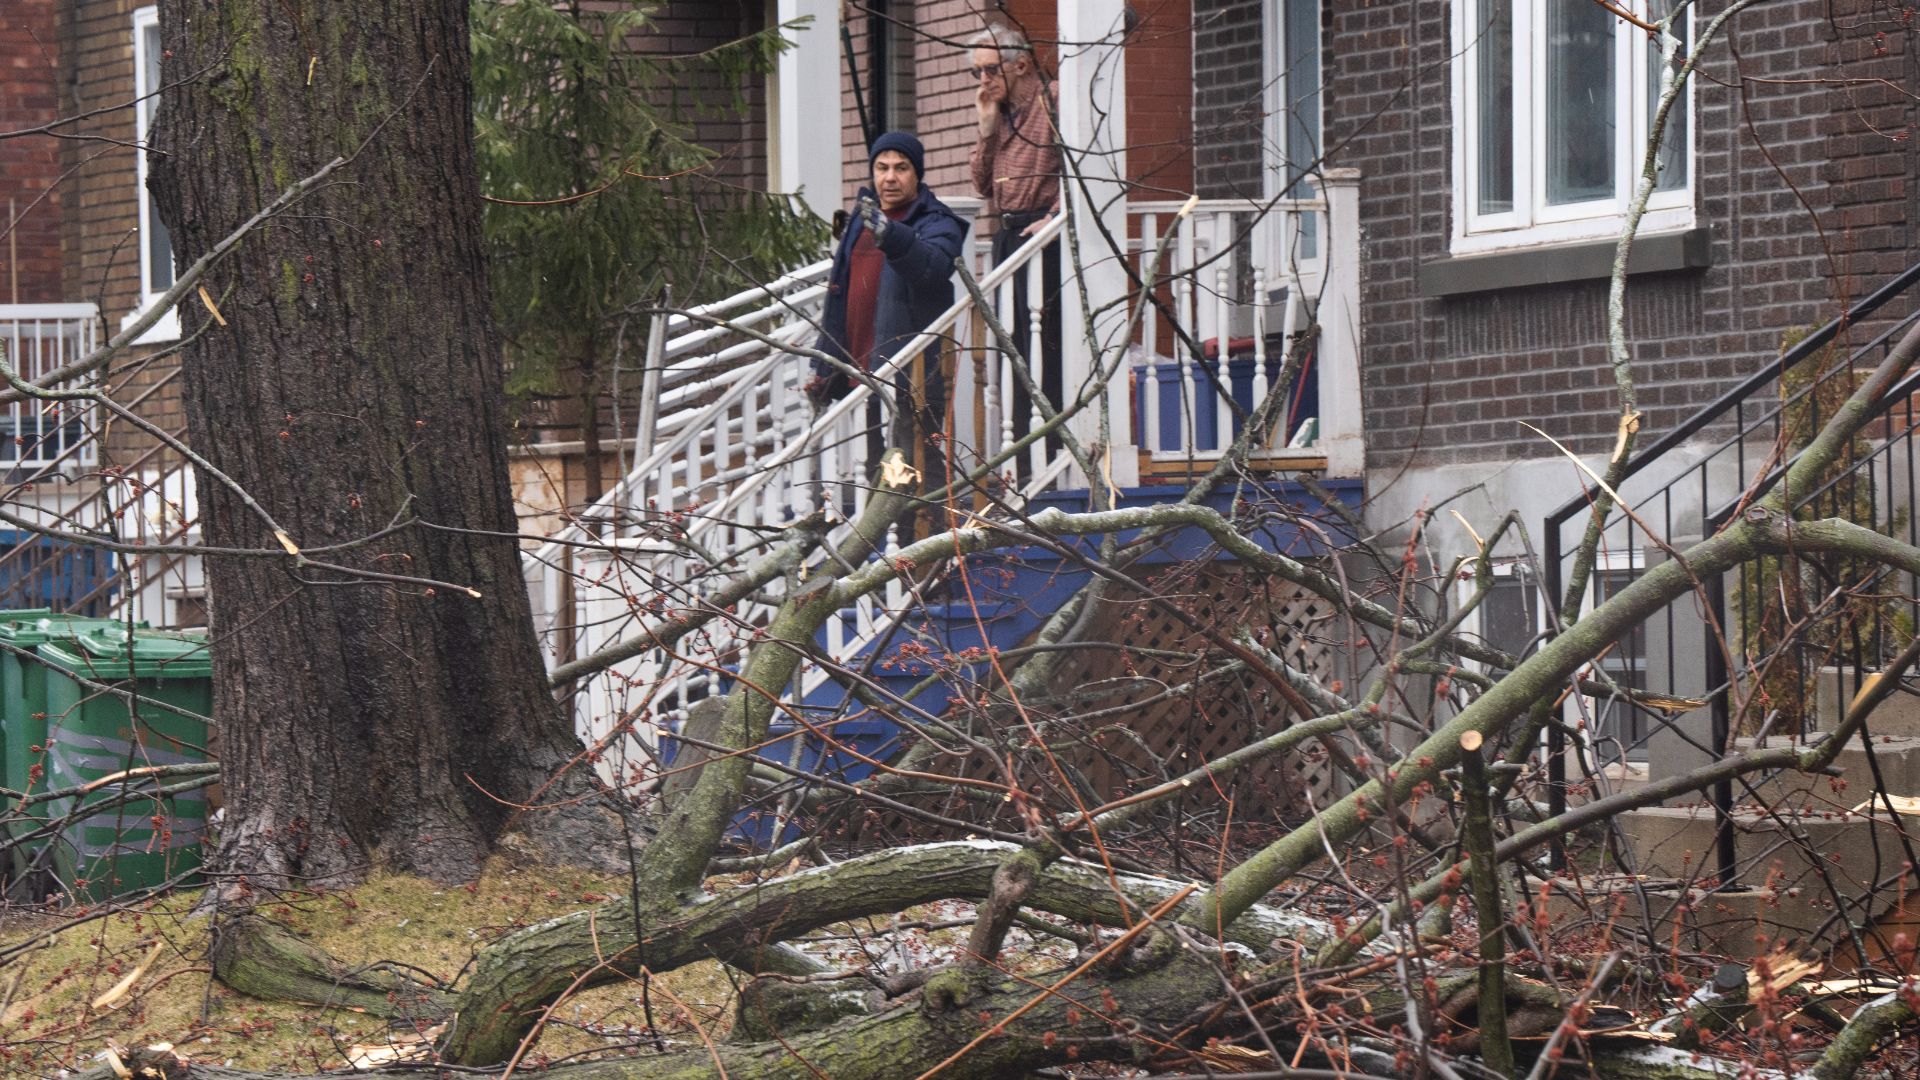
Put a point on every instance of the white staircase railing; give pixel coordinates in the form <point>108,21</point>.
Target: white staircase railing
<point>143,496</point>
<point>735,453</point>
<point>38,339</point>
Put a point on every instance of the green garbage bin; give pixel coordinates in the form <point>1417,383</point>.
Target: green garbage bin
<point>93,733</point>
<point>23,708</point>
<point>8,620</point>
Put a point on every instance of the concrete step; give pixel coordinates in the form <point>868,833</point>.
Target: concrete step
<point>1820,853</point>
<point>1898,715</point>
<point>1897,756</point>
<point>1741,925</point>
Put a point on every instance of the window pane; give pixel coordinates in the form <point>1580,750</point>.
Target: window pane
<point>159,245</point>
<point>1580,119</point>
<point>1302,37</point>
<point>1673,145</point>
<point>1302,88</point>
<point>1493,118</point>
<point>1510,613</point>
<point>1621,728</point>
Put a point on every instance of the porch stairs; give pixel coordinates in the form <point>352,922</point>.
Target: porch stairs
<point>735,452</point>
<point>1781,860</point>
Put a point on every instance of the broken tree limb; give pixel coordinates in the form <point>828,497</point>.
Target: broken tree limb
<point>1495,1048</point>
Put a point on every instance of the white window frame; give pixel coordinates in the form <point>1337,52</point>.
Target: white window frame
<point>1606,563</point>
<point>1533,222</point>
<point>1281,94</point>
<point>1503,568</point>
<point>168,327</point>
<point>1577,706</point>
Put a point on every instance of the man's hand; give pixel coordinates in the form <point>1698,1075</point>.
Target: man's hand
<point>872,218</point>
<point>987,101</point>
<point>1037,226</point>
<point>825,388</point>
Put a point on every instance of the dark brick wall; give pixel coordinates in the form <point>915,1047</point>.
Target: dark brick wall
<point>1228,105</point>
<point>29,165</point>
<point>99,253</point>
<point>99,257</point>
<point>738,136</point>
<point>1447,380</point>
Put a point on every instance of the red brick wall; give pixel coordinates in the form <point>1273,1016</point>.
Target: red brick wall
<point>1447,379</point>
<point>739,137</point>
<point>29,165</point>
<point>943,91</point>
<point>1159,88</point>
<point>99,248</point>
<point>1160,99</point>
<point>853,141</point>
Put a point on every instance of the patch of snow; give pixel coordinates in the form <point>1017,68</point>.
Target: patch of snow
<point>1658,1056</point>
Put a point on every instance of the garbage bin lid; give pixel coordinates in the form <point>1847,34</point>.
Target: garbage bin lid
<point>143,646</point>
<point>111,652</point>
<point>49,625</point>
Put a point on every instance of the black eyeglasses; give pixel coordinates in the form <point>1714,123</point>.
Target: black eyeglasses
<point>986,69</point>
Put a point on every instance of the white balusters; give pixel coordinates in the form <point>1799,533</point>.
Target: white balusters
<point>1149,382</point>
<point>1259,339</point>
<point>1204,262</point>
<point>1009,384</point>
<point>1222,327</point>
<point>896,589</point>
<point>1036,362</point>
<point>38,338</point>
<point>1186,307</point>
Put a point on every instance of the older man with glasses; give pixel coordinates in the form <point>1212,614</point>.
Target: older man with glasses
<point>1016,165</point>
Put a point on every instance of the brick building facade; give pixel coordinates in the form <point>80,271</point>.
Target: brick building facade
<point>1802,201</point>
<point>927,38</point>
<point>1801,192</point>
<point>1228,97</point>
<point>30,199</point>
<point>706,94</point>
<point>98,251</point>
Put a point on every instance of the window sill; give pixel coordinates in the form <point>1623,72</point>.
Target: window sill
<point>1552,264</point>
<point>167,329</point>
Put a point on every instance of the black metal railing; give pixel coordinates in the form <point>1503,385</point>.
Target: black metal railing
<point>1717,646</point>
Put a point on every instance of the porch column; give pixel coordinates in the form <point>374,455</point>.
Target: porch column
<point>1093,125</point>
<point>805,147</point>
<point>1341,433</point>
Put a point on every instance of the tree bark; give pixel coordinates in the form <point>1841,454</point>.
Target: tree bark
<point>351,379</point>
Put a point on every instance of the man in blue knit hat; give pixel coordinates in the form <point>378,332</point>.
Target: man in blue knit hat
<point>892,276</point>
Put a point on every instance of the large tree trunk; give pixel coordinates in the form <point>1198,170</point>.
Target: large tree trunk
<point>355,381</point>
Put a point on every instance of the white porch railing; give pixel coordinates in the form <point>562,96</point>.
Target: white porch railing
<point>736,452</point>
<point>732,451</point>
<point>39,339</point>
<point>146,498</point>
<point>1241,278</point>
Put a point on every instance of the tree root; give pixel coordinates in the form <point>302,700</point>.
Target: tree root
<point>263,959</point>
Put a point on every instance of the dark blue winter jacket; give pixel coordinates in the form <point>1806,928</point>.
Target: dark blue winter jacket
<point>916,284</point>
